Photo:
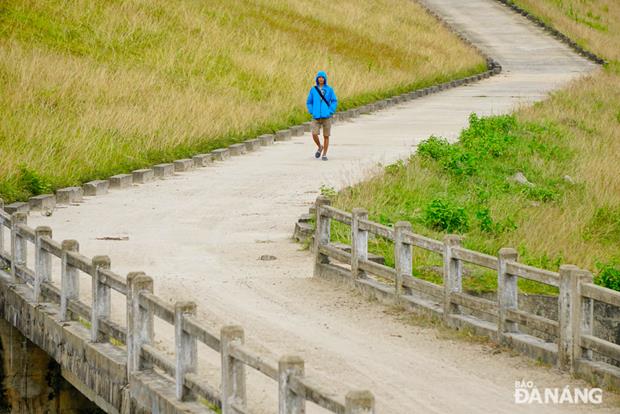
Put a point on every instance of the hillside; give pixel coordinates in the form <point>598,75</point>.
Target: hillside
<point>93,88</point>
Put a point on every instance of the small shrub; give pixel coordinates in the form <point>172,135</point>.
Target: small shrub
<point>445,216</point>
<point>608,275</point>
<point>435,148</point>
<point>483,215</point>
<point>327,191</point>
<point>488,225</point>
<point>385,220</point>
<point>460,162</point>
<point>34,183</point>
<point>489,136</point>
<point>396,168</point>
<point>543,194</point>
<point>453,158</point>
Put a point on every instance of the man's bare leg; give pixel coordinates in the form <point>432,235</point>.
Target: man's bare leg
<point>315,137</point>
<point>325,145</point>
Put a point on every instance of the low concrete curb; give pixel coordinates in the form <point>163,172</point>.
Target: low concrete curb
<point>221,154</point>
<point>252,144</point>
<point>237,149</point>
<point>284,135</point>
<point>183,165</point>
<point>120,181</point>
<point>202,160</point>
<point>17,207</point>
<point>143,176</point>
<point>163,170</point>
<point>96,188</point>
<point>266,139</point>
<point>69,195</point>
<point>42,202</point>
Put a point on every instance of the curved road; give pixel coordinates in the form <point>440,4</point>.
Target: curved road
<point>199,235</point>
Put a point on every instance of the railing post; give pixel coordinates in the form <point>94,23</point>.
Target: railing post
<point>69,278</point>
<point>584,319</point>
<point>359,243</point>
<point>359,402</point>
<point>507,292</point>
<point>403,256</point>
<point>452,275</point>
<point>289,401</point>
<point>18,244</point>
<point>568,314</point>
<point>322,232</point>
<point>101,297</point>
<point>141,322</point>
<point>42,262</point>
<point>185,347</point>
<point>233,371</point>
<point>131,276</point>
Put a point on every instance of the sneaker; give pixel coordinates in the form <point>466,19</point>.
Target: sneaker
<point>324,158</point>
<point>317,154</point>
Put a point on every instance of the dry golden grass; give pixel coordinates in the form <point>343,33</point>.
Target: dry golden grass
<point>92,88</point>
<point>584,227</point>
<point>594,24</point>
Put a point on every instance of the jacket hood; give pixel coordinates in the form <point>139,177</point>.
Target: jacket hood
<point>320,74</point>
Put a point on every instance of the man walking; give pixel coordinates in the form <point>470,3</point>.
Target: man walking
<point>322,104</point>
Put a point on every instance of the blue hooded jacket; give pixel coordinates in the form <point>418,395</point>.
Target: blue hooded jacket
<point>315,104</point>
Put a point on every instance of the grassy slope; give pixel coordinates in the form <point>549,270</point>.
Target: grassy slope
<point>93,88</point>
<point>573,133</point>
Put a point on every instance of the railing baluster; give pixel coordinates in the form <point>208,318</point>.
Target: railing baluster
<point>507,292</point>
<point>19,252</point>
<point>42,261</point>
<point>452,275</point>
<point>289,401</point>
<point>322,234</point>
<point>571,315</point>
<point>139,322</point>
<point>585,312</point>
<point>185,347</point>
<point>69,279</point>
<point>233,371</point>
<point>359,243</point>
<point>101,302</point>
<point>403,256</point>
<point>129,315</point>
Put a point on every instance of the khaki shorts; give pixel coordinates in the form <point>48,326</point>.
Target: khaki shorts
<point>325,123</point>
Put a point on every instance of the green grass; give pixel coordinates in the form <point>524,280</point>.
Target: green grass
<point>89,89</point>
<point>468,188</point>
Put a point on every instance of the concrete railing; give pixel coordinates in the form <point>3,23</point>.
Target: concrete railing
<point>138,335</point>
<point>501,319</point>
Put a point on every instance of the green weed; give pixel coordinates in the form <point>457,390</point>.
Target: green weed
<point>608,275</point>
<point>446,216</point>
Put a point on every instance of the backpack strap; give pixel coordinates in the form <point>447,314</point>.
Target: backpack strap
<point>321,95</point>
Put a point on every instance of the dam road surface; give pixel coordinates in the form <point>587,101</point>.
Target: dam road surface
<point>200,235</point>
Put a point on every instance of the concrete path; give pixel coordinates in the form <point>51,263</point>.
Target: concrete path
<point>200,234</point>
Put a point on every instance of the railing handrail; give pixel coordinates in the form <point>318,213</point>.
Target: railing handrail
<point>150,305</point>
<point>601,294</point>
